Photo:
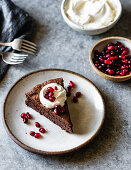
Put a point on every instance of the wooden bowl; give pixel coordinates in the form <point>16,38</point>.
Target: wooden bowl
<point>100,45</point>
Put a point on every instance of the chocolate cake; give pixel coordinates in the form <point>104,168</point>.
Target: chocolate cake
<point>33,100</point>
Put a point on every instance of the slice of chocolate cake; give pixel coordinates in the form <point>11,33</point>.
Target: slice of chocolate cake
<point>51,102</point>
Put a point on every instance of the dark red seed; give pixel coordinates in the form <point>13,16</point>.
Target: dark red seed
<point>111,58</point>
<point>32,133</point>
<point>120,46</point>
<point>37,124</point>
<point>56,88</point>
<point>69,88</point>
<point>62,110</point>
<point>108,55</point>
<point>42,130</point>
<point>100,67</point>
<point>47,91</point>
<point>110,71</point>
<point>56,111</point>
<point>58,107</point>
<point>107,62</point>
<point>50,89</point>
<point>68,94</point>
<point>23,115</point>
<point>78,94</point>
<point>25,120</point>
<point>110,47</point>
<point>37,135</point>
<point>28,115</point>
<point>112,53</point>
<point>125,61</point>
<point>52,99</point>
<point>102,60</point>
<point>75,99</point>
<point>46,96</point>
<point>72,84</point>
<point>51,94</point>
<point>122,56</point>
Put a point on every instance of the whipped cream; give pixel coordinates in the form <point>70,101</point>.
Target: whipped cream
<point>91,14</point>
<point>59,94</point>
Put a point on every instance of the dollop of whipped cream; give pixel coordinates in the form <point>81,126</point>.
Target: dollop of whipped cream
<point>91,13</point>
<point>59,94</point>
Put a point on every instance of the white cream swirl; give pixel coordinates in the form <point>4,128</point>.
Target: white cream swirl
<point>59,94</point>
<point>91,14</point>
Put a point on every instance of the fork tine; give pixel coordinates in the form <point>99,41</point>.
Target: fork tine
<point>13,63</point>
<point>29,49</point>
<point>25,44</point>
<point>29,42</point>
<point>25,51</point>
<point>16,60</point>
<point>19,55</point>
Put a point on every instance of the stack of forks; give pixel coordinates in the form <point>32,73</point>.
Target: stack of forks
<point>19,45</point>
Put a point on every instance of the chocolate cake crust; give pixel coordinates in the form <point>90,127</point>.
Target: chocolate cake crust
<point>33,101</point>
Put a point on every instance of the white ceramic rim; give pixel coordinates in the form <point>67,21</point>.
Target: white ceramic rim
<point>72,24</point>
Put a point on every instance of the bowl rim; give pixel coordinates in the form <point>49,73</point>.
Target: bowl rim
<point>72,24</point>
<point>100,41</point>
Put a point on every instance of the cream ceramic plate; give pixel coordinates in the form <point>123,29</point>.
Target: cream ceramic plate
<point>87,116</point>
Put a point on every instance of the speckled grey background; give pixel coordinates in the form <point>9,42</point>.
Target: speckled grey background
<point>61,47</point>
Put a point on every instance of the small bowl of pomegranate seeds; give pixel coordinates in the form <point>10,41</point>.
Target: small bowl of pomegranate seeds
<point>111,58</point>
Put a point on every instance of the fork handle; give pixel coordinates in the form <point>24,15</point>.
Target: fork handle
<point>6,44</point>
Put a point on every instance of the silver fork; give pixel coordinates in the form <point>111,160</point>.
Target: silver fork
<point>13,58</point>
<point>22,45</point>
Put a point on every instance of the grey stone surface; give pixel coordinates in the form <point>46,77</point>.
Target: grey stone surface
<point>61,47</point>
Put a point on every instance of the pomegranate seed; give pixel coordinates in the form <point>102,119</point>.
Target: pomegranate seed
<point>118,72</point>
<point>100,67</point>
<point>108,55</point>
<point>56,111</point>
<point>110,71</point>
<point>52,99</point>
<point>68,94</point>
<point>23,115</point>
<point>110,47</point>
<point>112,53</point>
<point>123,67</point>
<point>102,60</point>
<point>107,62</point>
<point>32,133</point>
<point>118,43</point>
<point>111,58</point>
<point>25,120</point>
<point>125,61</point>
<point>78,94</point>
<point>37,124</point>
<point>72,84</point>
<point>124,52</point>
<point>56,88</point>
<point>122,56</point>
<point>51,94</point>
<point>75,99</point>
<point>50,89</point>
<point>37,135</point>
<point>120,46</point>
<point>47,91</point>
<point>46,96</point>
<point>58,107</point>
<point>96,65</point>
<point>62,110</point>
<point>28,115</point>
<point>42,130</point>
<point>69,88</point>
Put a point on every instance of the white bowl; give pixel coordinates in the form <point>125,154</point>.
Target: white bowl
<point>90,31</point>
